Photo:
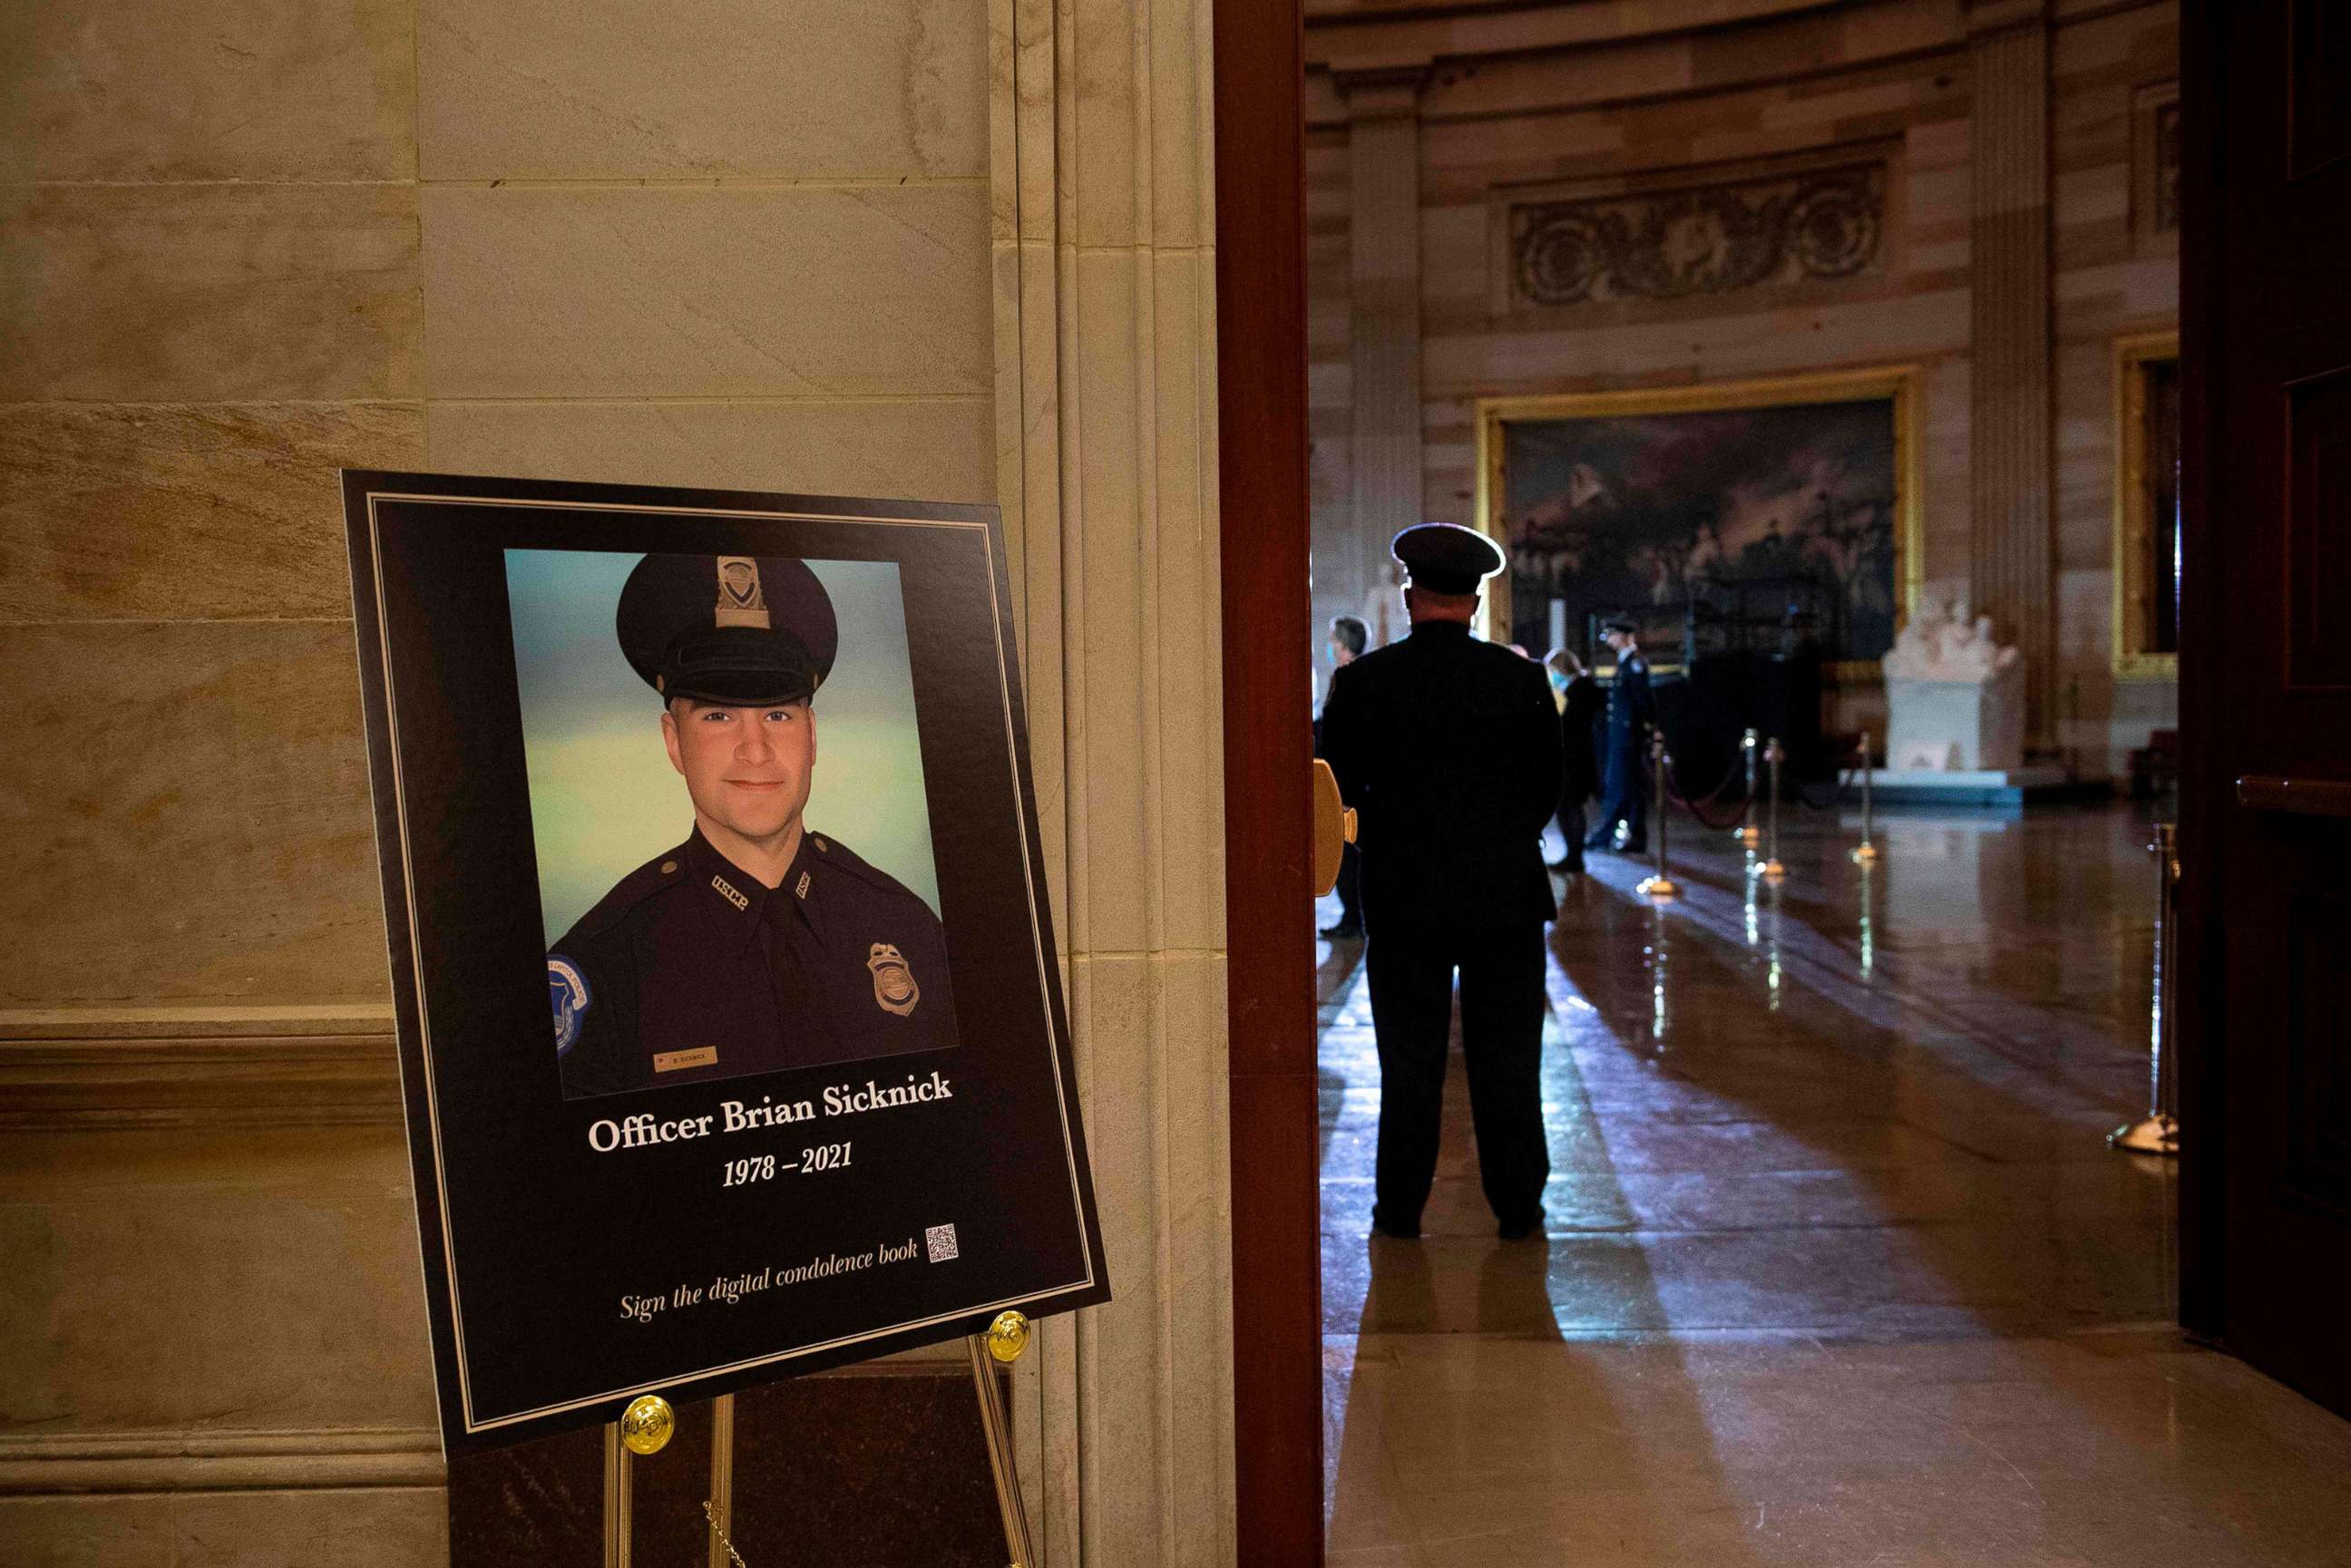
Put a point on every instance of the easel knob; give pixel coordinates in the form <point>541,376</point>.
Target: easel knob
<point>647,1424</point>
<point>1008,1336</point>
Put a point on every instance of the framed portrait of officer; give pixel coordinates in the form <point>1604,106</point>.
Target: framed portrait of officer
<point>730,1032</point>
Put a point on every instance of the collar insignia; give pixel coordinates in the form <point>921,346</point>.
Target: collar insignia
<point>726,891</point>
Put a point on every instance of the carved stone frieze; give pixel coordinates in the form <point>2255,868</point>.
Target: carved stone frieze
<point>1821,223</point>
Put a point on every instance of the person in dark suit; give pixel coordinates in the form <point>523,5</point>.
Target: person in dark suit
<point>1582,706</point>
<point>1632,709</point>
<point>1348,637</point>
<point>1449,749</point>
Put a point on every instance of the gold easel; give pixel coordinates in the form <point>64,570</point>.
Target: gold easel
<point>646,1426</point>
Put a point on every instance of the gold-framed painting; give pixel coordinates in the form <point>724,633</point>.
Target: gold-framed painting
<point>1788,506</point>
<point>2145,566</point>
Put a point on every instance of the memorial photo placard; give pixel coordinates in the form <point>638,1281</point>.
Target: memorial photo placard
<point>731,1039</point>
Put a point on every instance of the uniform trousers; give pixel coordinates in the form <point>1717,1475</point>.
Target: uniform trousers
<point>1624,800</point>
<point>1350,888</point>
<point>1411,975</point>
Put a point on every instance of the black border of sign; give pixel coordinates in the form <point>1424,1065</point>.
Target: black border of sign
<point>464,1428</point>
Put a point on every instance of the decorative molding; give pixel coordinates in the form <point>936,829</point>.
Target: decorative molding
<point>36,1464</point>
<point>93,1068</point>
<point>1818,222</point>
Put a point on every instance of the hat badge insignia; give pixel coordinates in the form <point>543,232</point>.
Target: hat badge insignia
<point>894,991</point>
<point>741,600</point>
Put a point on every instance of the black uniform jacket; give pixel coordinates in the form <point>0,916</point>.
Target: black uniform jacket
<point>1579,741</point>
<point>1449,749</point>
<point>690,970</point>
<point>1632,706</point>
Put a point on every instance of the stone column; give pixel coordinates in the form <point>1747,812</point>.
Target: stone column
<point>1103,204</point>
<point>2011,412</point>
<point>1383,328</point>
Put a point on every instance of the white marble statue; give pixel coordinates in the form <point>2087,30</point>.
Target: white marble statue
<point>1954,696</point>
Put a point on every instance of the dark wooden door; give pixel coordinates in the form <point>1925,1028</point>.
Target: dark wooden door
<point>1268,762</point>
<point>2265,677</point>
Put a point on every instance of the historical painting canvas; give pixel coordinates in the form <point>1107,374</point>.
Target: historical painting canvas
<point>1770,517</point>
<point>731,1036</point>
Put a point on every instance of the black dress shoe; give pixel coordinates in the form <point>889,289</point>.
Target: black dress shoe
<point>1520,1229</point>
<point>1343,932</point>
<point>1395,1232</point>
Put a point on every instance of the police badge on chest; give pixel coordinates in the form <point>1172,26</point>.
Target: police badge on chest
<point>893,983</point>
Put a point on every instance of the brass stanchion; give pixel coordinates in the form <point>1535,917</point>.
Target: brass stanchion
<point>1868,922</point>
<point>1866,851</point>
<point>2157,1132</point>
<point>1746,832</point>
<point>1771,870</point>
<point>1657,884</point>
<point>1006,1338</point>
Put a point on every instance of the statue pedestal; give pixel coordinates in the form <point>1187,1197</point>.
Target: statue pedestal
<point>1955,726</point>
<point>1998,792</point>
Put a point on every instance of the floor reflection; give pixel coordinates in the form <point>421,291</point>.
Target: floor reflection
<point>1837,1265</point>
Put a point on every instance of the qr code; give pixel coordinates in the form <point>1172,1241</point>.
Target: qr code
<point>942,1240</point>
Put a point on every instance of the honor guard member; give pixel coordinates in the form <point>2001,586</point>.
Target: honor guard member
<point>1449,749</point>
<point>758,943</point>
<point>1632,708</point>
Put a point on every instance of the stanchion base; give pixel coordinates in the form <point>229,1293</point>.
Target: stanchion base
<point>2148,1136</point>
<point>1865,851</point>
<point>1659,887</point>
<point>1771,871</point>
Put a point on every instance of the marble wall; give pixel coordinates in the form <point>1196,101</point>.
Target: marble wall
<point>869,246</point>
<point>1535,97</point>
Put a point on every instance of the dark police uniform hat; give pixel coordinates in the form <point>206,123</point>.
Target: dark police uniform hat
<point>1445,558</point>
<point>732,629</point>
<point>1624,623</point>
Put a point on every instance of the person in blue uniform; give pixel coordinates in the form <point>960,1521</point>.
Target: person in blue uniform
<point>1448,750</point>
<point>1632,709</point>
<point>758,943</point>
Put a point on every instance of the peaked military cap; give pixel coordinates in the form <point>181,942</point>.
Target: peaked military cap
<point>733,629</point>
<point>1445,558</point>
<point>1624,623</point>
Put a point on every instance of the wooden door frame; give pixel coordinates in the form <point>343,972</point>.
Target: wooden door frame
<point>2203,782</point>
<point>1260,132</point>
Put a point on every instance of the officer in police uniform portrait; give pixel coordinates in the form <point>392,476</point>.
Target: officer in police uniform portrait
<point>1448,750</point>
<point>759,942</point>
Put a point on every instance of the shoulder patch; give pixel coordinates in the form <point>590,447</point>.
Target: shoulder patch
<point>567,992</point>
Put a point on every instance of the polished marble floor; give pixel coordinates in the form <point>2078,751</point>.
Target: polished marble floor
<point>1838,1269</point>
